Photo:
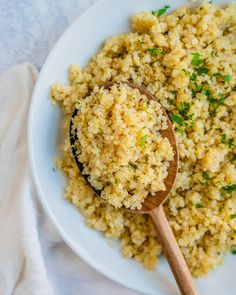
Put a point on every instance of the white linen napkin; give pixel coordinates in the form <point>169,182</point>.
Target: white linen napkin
<point>33,258</point>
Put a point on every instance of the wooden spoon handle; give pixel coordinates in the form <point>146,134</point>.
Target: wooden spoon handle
<point>172,251</point>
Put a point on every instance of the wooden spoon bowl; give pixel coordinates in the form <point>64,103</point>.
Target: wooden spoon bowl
<point>152,205</point>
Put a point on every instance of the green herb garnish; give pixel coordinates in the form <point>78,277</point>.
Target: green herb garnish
<point>227,78</point>
<point>202,71</point>
<point>174,92</point>
<point>233,158</point>
<point>184,109</point>
<point>197,88</point>
<point>172,102</point>
<point>232,216</point>
<point>186,72</point>
<point>135,177</point>
<point>233,251</point>
<point>193,77</point>
<point>133,165</point>
<point>221,97</point>
<point>198,205</point>
<point>143,140</point>
<point>207,93</point>
<point>205,175</point>
<point>155,51</point>
<point>229,188</point>
<point>228,141</point>
<point>196,60</point>
<point>160,11</point>
<point>146,158</point>
<point>177,119</point>
<point>223,138</point>
<point>217,75</point>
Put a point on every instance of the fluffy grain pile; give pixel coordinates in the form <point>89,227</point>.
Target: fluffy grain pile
<point>120,144</point>
<point>187,60</point>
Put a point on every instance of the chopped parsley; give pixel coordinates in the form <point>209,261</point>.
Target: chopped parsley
<point>207,93</point>
<point>223,138</point>
<point>177,119</point>
<point>183,118</point>
<point>233,158</point>
<point>214,102</point>
<point>196,60</point>
<point>227,78</point>
<point>234,231</point>
<point>232,216</point>
<point>205,175</point>
<point>217,75</point>
<point>160,11</point>
<point>233,251</point>
<point>193,77</point>
<point>221,97</point>
<point>229,189</point>
<point>135,177</point>
<point>186,72</point>
<point>143,140</point>
<point>174,92</point>
<point>197,88</point>
<point>202,71</point>
<point>155,51</point>
<point>133,165</point>
<point>172,101</point>
<point>198,205</point>
<point>184,109</point>
<point>228,141</point>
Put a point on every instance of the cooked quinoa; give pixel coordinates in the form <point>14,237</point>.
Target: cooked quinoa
<point>120,144</point>
<point>187,59</point>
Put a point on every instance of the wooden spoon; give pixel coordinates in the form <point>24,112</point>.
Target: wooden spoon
<point>152,205</point>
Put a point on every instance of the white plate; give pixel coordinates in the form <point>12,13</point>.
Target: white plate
<point>82,39</point>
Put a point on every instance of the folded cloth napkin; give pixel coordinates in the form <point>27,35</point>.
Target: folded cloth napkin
<point>33,258</point>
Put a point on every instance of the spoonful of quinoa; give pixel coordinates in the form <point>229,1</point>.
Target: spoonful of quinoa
<point>124,145</point>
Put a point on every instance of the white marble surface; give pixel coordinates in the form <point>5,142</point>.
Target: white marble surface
<point>30,28</point>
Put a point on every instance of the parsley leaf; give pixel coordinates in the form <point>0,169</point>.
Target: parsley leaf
<point>186,72</point>
<point>198,205</point>
<point>228,141</point>
<point>196,60</point>
<point>133,165</point>
<point>155,51</point>
<point>221,97</point>
<point>143,140</point>
<point>205,175</point>
<point>174,92</point>
<point>217,75</point>
<point>202,71</point>
<point>227,78</point>
<point>177,119</point>
<point>223,138</point>
<point>232,216</point>
<point>229,188</point>
<point>233,251</point>
<point>185,107</point>
<point>160,11</point>
<point>233,158</point>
